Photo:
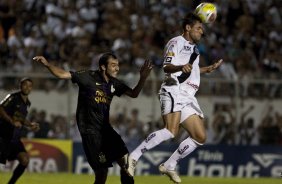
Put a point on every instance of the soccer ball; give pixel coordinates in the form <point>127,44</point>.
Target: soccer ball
<point>207,12</point>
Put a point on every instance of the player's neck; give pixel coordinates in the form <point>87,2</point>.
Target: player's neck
<point>105,76</point>
<point>24,97</point>
<point>187,37</point>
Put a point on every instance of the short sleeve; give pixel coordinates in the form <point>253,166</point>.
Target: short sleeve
<point>8,101</point>
<point>170,51</point>
<point>78,77</point>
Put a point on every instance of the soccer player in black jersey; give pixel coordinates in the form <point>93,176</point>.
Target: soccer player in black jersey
<point>13,112</point>
<point>102,144</point>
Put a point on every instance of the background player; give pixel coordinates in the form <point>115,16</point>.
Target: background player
<point>13,112</point>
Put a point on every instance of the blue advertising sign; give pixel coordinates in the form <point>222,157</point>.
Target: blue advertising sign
<point>206,161</point>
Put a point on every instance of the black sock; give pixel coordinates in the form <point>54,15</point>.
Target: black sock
<point>17,173</point>
<point>125,178</point>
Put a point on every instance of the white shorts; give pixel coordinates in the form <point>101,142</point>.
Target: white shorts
<point>175,100</point>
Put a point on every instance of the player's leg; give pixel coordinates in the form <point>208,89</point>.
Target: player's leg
<point>23,159</point>
<point>124,177</point>
<point>195,127</point>
<point>92,149</point>
<point>101,175</point>
<point>171,122</point>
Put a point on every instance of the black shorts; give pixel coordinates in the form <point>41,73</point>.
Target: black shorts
<point>103,149</point>
<point>10,150</point>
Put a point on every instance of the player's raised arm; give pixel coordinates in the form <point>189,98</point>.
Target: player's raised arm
<point>56,71</point>
<point>144,73</point>
<point>211,68</point>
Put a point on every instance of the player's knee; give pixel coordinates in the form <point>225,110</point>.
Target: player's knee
<point>24,159</point>
<point>200,139</point>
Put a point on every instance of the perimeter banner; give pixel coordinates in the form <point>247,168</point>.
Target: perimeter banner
<point>206,161</point>
<point>46,156</point>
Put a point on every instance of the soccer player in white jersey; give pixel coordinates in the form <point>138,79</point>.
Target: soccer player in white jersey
<point>177,98</point>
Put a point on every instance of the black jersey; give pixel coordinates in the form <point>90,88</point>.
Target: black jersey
<point>17,108</point>
<point>94,99</point>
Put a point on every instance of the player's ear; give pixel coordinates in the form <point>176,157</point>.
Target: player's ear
<point>103,67</point>
<point>188,27</point>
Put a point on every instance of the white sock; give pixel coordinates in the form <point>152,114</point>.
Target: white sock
<point>151,141</point>
<point>185,148</point>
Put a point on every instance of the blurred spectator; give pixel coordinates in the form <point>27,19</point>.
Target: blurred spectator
<point>223,125</point>
<point>246,131</point>
<point>44,126</point>
<point>269,130</point>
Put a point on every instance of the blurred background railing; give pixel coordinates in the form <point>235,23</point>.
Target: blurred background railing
<point>236,112</point>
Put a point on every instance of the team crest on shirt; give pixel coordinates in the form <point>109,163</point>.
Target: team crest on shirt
<point>196,50</point>
<point>102,157</point>
<point>112,89</point>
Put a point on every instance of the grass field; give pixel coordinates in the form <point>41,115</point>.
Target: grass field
<point>29,178</point>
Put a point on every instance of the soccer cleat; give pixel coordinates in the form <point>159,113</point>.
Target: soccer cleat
<point>170,173</point>
<point>131,166</point>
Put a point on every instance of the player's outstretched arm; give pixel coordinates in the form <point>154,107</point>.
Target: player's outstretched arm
<point>56,71</point>
<point>144,73</point>
<point>211,68</point>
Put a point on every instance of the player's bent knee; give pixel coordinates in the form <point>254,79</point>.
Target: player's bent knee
<point>200,140</point>
<point>23,159</point>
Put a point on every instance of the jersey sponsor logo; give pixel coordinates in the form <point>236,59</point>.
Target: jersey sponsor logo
<point>195,86</point>
<point>100,97</point>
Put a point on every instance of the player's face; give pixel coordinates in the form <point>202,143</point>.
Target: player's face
<point>112,67</point>
<point>196,32</point>
<point>26,87</point>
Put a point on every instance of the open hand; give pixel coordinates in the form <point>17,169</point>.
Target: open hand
<point>17,124</point>
<point>214,66</point>
<point>41,59</point>
<point>34,126</point>
<point>146,68</point>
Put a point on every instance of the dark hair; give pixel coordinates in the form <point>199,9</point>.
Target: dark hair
<point>25,79</point>
<point>190,19</point>
<point>105,58</point>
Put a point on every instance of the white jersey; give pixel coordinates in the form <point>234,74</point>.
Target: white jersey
<point>179,51</point>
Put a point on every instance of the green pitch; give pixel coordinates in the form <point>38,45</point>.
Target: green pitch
<point>56,178</point>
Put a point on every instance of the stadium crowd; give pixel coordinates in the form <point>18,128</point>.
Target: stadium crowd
<point>246,34</point>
